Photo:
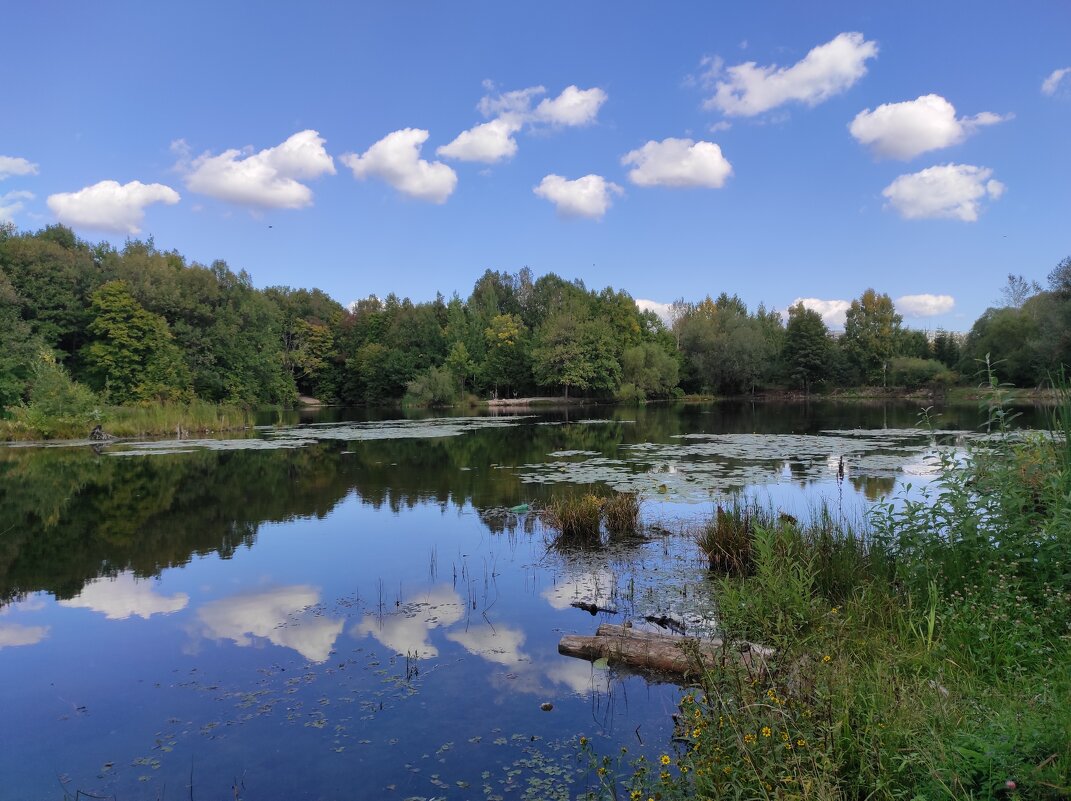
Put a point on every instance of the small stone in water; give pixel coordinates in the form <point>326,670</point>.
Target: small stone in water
<point>546,706</point>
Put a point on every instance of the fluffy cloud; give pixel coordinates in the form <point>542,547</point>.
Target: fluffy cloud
<point>573,107</point>
<point>904,130</point>
<point>748,89</point>
<point>952,191</point>
<point>110,206</point>
<point>833,312</point>
<point>11,203</point>
<point>585,197</point>
<point>270,178</point>
<point>124,596</point>
<point>925,305</point>
<point>494,141</point>
<point>1048,86</point>
<point>396,159</point>
<point>678,162</point>
<point>409,633</point>
<point>488,142</point>
<point>11,165</point>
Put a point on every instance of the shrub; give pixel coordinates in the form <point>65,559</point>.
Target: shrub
<point>436,387</point>
<point>913,373</point>
<point>57,405</point>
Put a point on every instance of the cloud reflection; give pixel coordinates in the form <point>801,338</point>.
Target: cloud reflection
<point>596,588</point>
<point>406,632</point>
<point>273,616</point>
<point>12,635</point>
<point>124,596</point>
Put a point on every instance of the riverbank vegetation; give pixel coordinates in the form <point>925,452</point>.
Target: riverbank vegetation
<point>926,656</point>
<point>140,327</point>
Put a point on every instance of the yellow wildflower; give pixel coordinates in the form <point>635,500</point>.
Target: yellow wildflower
<point>801,742</point>
<point>766,731</point>
<point>749,738</point>
<point>665,759</point>
<point>827,658</point>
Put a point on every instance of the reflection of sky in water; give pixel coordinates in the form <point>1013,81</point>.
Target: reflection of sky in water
<point>125,596</point>
<point>286,660</point>
<point>273,616</point>
<point>14,634</point>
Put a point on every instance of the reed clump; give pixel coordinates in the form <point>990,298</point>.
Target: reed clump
<point>621,512</point>
<point>727,539</point>
<point>576,518</point>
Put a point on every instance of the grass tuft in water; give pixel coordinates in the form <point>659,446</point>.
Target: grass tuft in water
<point>576,518</point>
<point>622,513</point>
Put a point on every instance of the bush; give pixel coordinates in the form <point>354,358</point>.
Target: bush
<point>912,373</point>
<point>56,404</point>
<point>631,394</point>
<point>436,387</point>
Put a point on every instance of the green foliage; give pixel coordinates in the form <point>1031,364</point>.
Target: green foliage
<point>808,348</point>
<point>871,334</point>
<point>576,518</point>
<point>56,405</point>
<point>132,356</point>
<point>650,370</point>
<point>622,513</point>
<point>906,371</point>
<point>436,388</point>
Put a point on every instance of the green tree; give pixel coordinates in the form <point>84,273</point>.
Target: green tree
<point>505,362</point>
<point>650,370</point>
<point>871,334</point>
<point>807,352</point>
<point>132,356</point>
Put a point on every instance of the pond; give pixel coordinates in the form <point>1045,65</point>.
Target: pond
<point>343,604</point>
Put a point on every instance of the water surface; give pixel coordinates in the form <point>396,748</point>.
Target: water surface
<point>341,606</point>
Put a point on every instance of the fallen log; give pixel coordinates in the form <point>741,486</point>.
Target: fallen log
<point>661,653</point>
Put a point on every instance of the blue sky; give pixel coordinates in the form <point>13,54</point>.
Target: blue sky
<point>919,148</point>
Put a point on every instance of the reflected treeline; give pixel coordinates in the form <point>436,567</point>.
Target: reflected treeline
<point>69,515</point>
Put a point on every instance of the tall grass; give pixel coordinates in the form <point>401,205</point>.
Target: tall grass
<point>157,420</point>
<point>926,656</point>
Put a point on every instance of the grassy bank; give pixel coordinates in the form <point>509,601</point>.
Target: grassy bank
<point>157,420</point>
<point>925,657</point>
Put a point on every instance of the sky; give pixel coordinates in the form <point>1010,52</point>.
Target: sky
<point>780,151</point>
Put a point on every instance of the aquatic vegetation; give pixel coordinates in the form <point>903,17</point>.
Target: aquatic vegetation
<point>576,518</point>
<point>622,513</point>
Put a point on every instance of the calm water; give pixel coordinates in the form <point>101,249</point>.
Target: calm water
<point>343,606</point>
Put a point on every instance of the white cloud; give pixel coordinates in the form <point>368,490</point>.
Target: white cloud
<point>11,204</point>
<point>585,197</point>
<point>748,89</point>
<point>517,103</point>
<point>488,142</point>
<point>12,634</point>
<point>925,305</point>
<point>274,616</point>
<point>573,107</point>
<point>596,587</point>
<point>110,206</point>
<point>1052,83</point>
<point>904,130</point>
<point>265,179</point>
<point>952,191</point>
<point>12,165</point>
<point>494,141</point>
<point>833,312</point>
<point>678,162</point>
<point>661,309</point>
<point>396,159</point>
<point>500,644</point>
<point>124,596</point>
<point>719,126</point>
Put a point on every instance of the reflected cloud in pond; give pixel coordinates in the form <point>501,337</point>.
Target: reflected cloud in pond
<point>273,616</point>
<point>124,596</point>
<point>13,635</point>
<point>405,630</point>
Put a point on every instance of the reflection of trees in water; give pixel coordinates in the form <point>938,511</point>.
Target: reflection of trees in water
<point>873,487</point>
<point>69,515</point>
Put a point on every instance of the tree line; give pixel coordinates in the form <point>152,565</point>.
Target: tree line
<point>84,323</point>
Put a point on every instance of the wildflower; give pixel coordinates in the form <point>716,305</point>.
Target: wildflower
<point>728,769</point>
<point>696,732</point>
<point>834,610</point>
<point>801,742</point>
<point>665,759</point>
<point>784,736</point>
<point>583,741</point>
<point>749,738</point>
<point>601,771</point>
<point>664,775</point>
<point>766,731</point>
<point>827,658</point>
<point>788,746</point>
<point>634,795</point>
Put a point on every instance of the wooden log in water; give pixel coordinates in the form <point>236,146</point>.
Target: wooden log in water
<point>661,653</point>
